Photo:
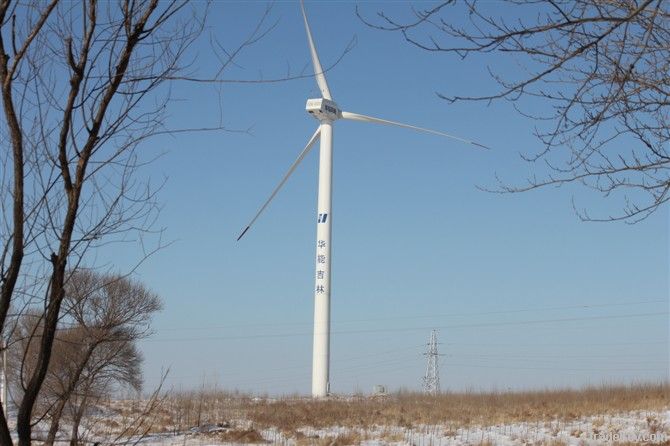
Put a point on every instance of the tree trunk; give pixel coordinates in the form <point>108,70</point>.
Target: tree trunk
<point>74,438</point>
<point>67,393</point>
<point>55,423</point>
<point>59,261</point>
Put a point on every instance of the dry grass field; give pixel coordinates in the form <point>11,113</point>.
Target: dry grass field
<point>594,415</point>
<point>572,417</point>
<point>408,409</point>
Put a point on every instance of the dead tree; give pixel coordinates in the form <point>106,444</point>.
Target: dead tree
<point>88,364</point>
<point>106,316</point>
<point>81,85</point>
<point>72,78</point>
<point>601,66</point>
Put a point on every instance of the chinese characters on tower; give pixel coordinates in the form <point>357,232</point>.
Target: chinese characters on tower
<point>321,266</point>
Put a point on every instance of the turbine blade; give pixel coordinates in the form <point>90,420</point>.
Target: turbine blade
<point>300,157</point>
<point>318,71</point>
<point>356,117</point>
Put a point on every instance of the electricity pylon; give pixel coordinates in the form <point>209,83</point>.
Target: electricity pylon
<point>431,380</point>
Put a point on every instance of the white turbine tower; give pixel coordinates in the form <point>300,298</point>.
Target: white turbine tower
<point>326,111</point>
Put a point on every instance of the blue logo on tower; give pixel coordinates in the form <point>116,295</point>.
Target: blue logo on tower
<point>322,218</point>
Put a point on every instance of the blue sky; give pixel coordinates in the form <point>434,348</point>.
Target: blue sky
<point>523,293</point>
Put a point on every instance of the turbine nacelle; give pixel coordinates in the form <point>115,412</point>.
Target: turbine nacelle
<point>323,109</point>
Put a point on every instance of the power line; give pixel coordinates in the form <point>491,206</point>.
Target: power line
<point>425,316</point>
<point>554,344</point>
<point>532,355</point>
<point>608,369</point>
<point>407,360</point>
<point>340,360</point>
<point>545,361</point>
<point>405,329</point>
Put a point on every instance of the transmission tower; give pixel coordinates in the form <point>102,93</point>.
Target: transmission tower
<point>431,380</point>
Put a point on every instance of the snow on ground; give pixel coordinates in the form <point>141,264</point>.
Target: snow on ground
<point>641,427</point>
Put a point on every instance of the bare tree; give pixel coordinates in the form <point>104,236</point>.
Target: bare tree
<point>114,364</point>
<point>602,66</point>
<point>107,315</point>
<point>81,85</point>
<point>88,363</point>
<point>73,76</point>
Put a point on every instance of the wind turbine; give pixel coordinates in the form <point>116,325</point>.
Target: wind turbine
<point>326,111</point>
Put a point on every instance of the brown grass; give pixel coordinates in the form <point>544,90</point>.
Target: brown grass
<point>239,436</point>
<point>185,410</point>
<point>350,439</point>
<point>408,409</point>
